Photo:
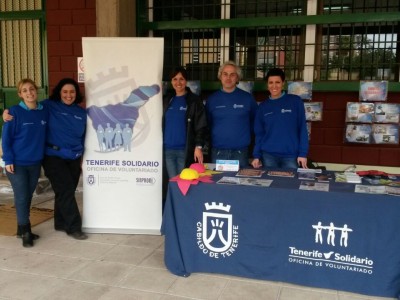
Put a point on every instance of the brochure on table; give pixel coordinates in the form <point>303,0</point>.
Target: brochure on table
<point>227,165</point>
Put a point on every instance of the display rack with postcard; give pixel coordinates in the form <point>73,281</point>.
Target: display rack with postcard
<point>385,133</point>
<point>387,113</point>
<point>313,111</point>
<point>357,112</point>
<point>358,133</point>
<point>380,120</point>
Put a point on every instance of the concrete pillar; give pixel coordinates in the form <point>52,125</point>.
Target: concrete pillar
<point>116,18</point>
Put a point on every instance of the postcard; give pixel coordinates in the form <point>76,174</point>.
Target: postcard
<point>356,133</point>
<point>245,181</point>
<point>250,172</point>
<point>314,186</point>
<point>352,177</point>
<point>370,189</point>
<point>373,90</point>
<point>309,170</point>
<point>391,190</point>
<point>323,177</point>
<point>229,180</point>
<point>360,112</point>
<point>387,113</point>
<point>313,111</point>
<point>306,176</point>
<point>385,133</point>
<point>255,182</point>
<point>281,173</point>
<point>303,89</point>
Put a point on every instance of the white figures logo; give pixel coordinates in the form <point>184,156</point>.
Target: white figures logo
<point>216,235</point>
<point>330,239</point>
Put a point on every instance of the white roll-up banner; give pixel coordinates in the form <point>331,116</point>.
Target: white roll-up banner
<point>122,163</point>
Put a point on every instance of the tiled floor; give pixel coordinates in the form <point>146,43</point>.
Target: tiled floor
<point>112,266</point>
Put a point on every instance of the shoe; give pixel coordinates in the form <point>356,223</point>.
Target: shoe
<point>34,236</point>
<point>19,233</point>
<point>78,235</point>
<point>27,239</point>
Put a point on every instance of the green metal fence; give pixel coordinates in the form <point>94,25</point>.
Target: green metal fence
<point>320,41</point>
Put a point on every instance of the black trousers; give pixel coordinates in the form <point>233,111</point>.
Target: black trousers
<point>64,178</point>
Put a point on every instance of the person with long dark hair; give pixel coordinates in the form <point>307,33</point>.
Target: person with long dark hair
<point>184,125</point>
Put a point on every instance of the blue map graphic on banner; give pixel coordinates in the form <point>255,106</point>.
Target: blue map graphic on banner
<point>114,123</point>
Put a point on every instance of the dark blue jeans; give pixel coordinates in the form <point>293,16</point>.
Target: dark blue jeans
<point>270,161</point>
<point>23,182</point>
<point>174,161</point>
<point>241,155</point>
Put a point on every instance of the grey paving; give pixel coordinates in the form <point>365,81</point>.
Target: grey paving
<point>113,266</point>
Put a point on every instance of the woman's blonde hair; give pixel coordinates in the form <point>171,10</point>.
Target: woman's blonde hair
<point>24,81</point>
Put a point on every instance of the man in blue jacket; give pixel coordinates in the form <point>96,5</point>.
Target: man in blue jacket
<point>231,112</point>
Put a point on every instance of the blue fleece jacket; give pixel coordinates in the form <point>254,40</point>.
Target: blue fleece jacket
<point>175,124</point>
<point>280,128</point>
<point>66,130</point>
<point>231,118</point>
<point>23,138</point>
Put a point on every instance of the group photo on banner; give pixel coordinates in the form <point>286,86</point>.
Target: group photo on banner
<point>122,164</point>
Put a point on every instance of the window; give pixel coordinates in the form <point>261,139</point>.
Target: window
<point>312,40</point>
<point>22,50</point>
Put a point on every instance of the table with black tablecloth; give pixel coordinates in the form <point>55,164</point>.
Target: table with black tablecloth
<point>338,240</point>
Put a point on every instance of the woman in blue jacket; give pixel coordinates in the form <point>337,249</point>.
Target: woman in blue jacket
<point>63,154</point>
<point>184,125</point>
<point>23,142</point>
<point>280,127</point>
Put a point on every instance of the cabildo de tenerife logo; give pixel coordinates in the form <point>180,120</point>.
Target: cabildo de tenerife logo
<point>91,180</point>
<point>217,236</point>
<point>331,259</point>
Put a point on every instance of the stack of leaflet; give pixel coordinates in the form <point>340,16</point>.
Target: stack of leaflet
<point>352,177</point>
